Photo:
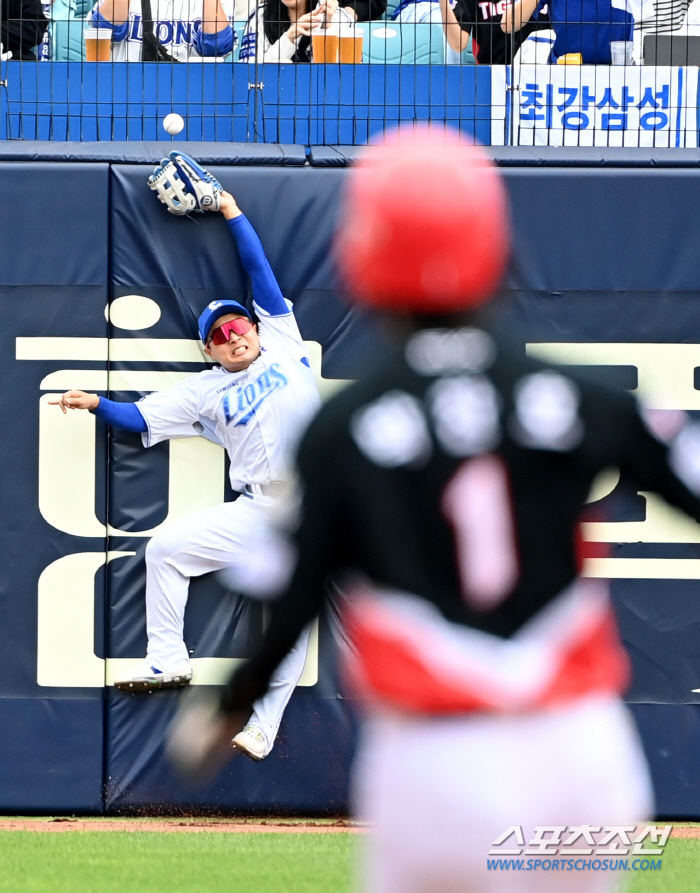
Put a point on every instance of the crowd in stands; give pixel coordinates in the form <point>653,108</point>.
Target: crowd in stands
<point>494,31</point>
<point>22,27</point>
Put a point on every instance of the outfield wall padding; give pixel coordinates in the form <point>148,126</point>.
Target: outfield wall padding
<point>603,257</point>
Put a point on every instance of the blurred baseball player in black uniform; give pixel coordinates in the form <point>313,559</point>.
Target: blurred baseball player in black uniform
<point>443,493</point>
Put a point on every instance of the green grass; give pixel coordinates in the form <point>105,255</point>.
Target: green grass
<point>145,862</point>
<point>680,871</point>
<point>214,862</point>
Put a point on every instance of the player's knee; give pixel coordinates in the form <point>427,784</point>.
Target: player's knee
<point>161,547</point>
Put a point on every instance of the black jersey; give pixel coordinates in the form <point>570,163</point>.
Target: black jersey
<point>490,45</point>
<point>444,492</point>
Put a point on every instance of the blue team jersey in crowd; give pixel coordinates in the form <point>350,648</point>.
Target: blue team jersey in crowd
<point>588,26</point>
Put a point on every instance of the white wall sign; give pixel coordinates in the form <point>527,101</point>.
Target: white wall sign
<point>595,105</point>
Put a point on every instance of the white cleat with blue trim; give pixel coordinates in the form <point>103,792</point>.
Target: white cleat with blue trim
<point>147,677</point>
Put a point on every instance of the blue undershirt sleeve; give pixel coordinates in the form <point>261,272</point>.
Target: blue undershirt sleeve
<point>121,415</point>
<point>119,32</point>
<point>266,291</point>
<point>218,44</point>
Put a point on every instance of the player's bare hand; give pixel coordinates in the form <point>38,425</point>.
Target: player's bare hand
<point>199,740</point>
<point>302,27</point>
<point>319,17</point>
<point>229,207</point>
<point>329,9</point>
<point>76,400</point>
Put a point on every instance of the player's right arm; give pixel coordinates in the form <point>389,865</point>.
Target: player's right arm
<point>120,415</point>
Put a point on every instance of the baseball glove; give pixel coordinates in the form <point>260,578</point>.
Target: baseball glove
<point>183,186</point>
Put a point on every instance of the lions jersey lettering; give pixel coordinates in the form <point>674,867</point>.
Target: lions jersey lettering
<point>168,33</point>
<point>177,25</point>
<point>241,405</point>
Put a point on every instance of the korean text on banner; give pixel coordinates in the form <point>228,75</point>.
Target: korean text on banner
<point>603,106</point>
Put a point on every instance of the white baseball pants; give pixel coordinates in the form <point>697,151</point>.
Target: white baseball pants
<point>210,540</point>
<point>438,792</point>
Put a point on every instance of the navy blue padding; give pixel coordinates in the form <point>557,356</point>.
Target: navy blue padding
<point>306,773</point>
<point>608,230</point>
<point>593,157</point>
<point>334,156</point>
<point>671,738</point>
<point>44,231</point>
<point>53,284</point>
<point>152,152</point>
<point>542,156</point>
<point>51,752</point>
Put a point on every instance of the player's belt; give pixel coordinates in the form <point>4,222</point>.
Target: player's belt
<point>274,488</point>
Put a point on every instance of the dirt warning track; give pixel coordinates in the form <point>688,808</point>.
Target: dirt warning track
<point>174,825</point>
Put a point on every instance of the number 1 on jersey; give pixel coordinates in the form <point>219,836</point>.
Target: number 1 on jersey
<point>476,502</point>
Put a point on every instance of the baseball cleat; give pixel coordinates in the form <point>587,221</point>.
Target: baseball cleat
<point>145,677</point>
<point>251,741</point>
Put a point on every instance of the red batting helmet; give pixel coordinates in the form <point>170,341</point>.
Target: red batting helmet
<point>425,225</point>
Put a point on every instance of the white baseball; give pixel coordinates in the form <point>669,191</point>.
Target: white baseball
<point>173,123</point>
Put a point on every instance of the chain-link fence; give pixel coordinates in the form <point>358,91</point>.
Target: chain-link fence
<point>522,73</point>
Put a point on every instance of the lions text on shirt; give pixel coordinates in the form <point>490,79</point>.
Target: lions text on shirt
<point>257,414</point>
<point>177,24</point>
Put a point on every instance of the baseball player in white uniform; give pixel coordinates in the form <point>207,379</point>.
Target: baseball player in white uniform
<point>256,401</point>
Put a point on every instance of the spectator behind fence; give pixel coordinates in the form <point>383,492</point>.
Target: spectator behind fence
<point>483,21</point>
<point>67,24</point>
<point>23,27</point>
<point>667,13</point>
<point>668,16</point>
<point>583,26</point>
<point>188,30</point>
<point>280,30</point>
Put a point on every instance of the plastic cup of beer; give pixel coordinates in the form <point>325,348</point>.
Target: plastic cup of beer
<point>621,52</point>
<point>324,45</point>
<point>350,45</point>
<point>98,44</point>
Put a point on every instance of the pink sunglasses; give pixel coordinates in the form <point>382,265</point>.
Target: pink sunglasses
<point>222,334</point>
